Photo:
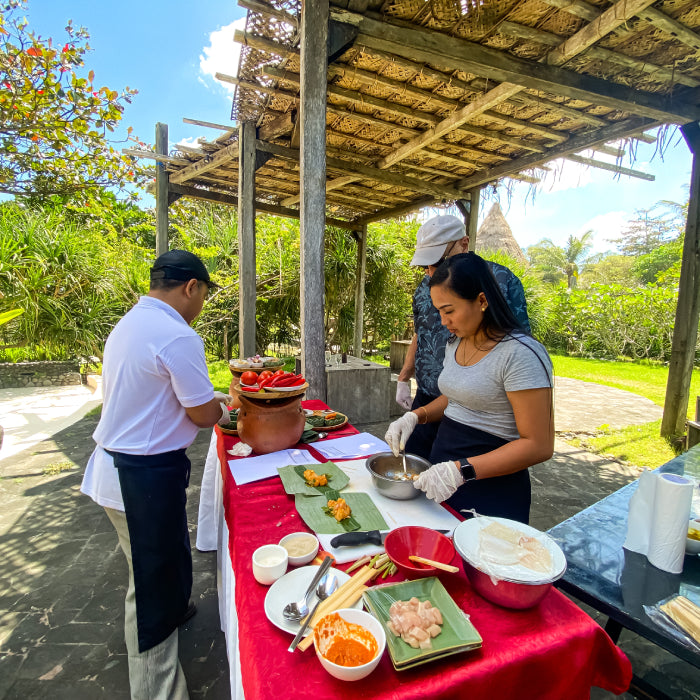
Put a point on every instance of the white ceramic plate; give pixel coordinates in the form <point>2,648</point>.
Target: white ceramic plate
<point>291,587</point>
<point>288,388</point>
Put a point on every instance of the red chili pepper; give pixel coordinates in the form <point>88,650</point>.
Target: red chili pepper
<point>253,389</point>
<point>298,382</point>
<point>264,382</point>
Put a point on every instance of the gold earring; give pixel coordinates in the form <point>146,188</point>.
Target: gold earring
<point>483,308</point>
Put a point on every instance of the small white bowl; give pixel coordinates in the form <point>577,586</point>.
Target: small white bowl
<point>310,551</point>
<point>269,563</point>
<point>355,673</point>
<point>693,546</point>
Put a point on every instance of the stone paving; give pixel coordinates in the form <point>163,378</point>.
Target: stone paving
<point>62,579</point>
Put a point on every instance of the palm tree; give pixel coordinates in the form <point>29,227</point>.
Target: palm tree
<point>555,261</point>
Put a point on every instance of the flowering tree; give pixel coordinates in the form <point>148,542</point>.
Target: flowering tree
<point>54,120</point>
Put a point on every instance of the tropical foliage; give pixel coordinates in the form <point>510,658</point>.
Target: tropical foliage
<point>72,282</point>
<point>55,120</point>
<point>556,262</point>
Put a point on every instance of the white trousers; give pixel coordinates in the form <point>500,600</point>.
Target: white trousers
<point>155,674</point>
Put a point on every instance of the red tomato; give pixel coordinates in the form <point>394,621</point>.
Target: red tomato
<point>279,372</point>
<point>265,374</point>
<point>249,378</point>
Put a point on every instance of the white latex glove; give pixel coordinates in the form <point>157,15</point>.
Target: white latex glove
<point>225,414</point>
<point>403,395</point>
<point>440,481</point>
<point>225,398</point>
<point>399,431</point>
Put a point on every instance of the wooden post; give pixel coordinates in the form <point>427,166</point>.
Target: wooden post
<point>685,329</point>
<point>473,223</point>
<point>161,191</point>
<point>246,240</point>
<point>360,291</point>
<point>312,167</point>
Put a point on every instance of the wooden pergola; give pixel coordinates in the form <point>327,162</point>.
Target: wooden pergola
<point>353,111</point>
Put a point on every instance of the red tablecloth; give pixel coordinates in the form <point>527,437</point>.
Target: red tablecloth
<point>553,651</point>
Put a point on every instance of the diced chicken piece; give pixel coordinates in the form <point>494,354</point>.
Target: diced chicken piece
<point>425,644</point>
<point>419,633</point>
<point>434,630</point>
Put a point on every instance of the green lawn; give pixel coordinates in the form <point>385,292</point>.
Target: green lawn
<point>645,379</point>
<point>638,444</point>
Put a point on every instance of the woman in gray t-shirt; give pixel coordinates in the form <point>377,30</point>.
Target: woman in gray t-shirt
<point>496,403</point>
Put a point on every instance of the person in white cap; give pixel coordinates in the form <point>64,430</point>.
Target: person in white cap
<point>438,239</point>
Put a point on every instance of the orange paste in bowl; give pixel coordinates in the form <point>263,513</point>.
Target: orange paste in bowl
<point>344,643</point>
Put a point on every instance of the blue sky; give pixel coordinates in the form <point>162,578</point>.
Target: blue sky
<point>170,50</point>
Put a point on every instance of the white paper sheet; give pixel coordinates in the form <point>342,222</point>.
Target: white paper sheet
<point>264,466</point>
<point>417,511</point>
<point>352,446</point>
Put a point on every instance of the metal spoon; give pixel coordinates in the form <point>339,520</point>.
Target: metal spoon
<point>322,435</point>
<point>296,611</point>
<point>325,588</point>
<point>403,455</point>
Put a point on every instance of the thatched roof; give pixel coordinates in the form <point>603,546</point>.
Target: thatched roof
<point>495,235</point>
<point>427,99</point>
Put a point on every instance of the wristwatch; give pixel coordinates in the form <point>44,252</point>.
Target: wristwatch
<point>466,469</point>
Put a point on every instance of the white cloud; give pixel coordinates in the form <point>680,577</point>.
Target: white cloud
<point>605,227</point>
<point>222,54</point>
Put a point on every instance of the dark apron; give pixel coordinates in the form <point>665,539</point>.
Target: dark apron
<point>501,496</point>
<point>153,489</point>
<point>423,436</point>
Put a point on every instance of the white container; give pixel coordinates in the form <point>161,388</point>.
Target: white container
<point>269,563</point>
<point>304,543</point>
<point>355,673</point>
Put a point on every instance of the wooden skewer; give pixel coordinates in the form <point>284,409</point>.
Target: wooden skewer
<point>436,564</point>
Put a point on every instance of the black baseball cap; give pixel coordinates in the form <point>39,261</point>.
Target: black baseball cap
<point>180,265</point>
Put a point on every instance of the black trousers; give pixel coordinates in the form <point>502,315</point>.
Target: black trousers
<point>153,489</point>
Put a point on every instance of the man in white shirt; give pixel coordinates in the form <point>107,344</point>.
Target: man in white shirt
<point>157,395</point>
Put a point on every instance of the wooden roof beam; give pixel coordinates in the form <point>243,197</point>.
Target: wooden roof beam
<point>226,198</point>
<point>365,172</point>
<point>661,73</point>
<point>402,111</point>
<point>614,132</point>
<point>661,21</point>
<point>228,153</point>
<point>434,47</point>
<point>370,79</point>
<point>401,210</point>
<point>611,167</point>
<point>480,85</point>
<point>285,52</point>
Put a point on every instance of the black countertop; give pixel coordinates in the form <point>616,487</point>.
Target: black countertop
<point>617,582</point>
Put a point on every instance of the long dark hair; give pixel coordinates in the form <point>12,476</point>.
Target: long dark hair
<point>467,275</point>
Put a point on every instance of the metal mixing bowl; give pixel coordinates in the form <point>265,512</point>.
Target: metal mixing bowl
<point>506,592</point>
<point>383,466</point>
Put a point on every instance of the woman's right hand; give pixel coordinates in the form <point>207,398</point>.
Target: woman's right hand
<point>399,431</point>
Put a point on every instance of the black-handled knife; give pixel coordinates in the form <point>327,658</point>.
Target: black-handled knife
<point>354,539</point>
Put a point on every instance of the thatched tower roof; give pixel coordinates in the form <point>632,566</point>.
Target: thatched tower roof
<point>495,234</point>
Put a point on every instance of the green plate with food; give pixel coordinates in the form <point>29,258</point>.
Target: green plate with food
<point>325,421</point>
<point>294,481</point>
<point>314,511</point>
<point>456,634</point>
